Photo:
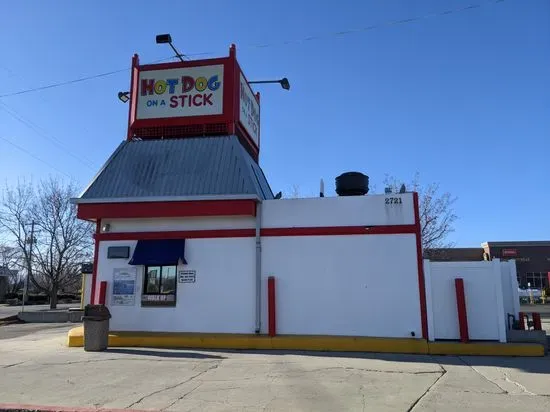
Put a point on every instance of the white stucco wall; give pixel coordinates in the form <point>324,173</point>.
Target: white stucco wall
<point>177,224</point>
<point>338,211</point>
<point>221,300</point>
<point>483,288</point>
<point>344,285</point>
<point>365,285</point>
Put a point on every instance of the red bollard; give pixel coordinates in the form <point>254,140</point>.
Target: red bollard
<point>102,292</point>
<point>521,320</point>
<point>461,308</point>
<point>537,324</point>
<point>272,329</point>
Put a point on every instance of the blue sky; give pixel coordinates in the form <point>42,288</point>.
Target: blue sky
<point>462,98</point>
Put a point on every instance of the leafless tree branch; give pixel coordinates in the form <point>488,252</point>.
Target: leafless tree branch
<point>61,241</point>
<point>437,215</point>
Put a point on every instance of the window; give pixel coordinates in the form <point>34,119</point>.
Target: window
<point>159,287</point>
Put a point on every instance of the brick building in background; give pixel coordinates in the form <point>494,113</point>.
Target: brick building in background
<point>532,258</point>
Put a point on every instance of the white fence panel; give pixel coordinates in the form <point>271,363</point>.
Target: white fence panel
<point>489,295</point>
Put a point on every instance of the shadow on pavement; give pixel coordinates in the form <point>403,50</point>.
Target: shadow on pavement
<point>162,353</point>
<point>527,364</point>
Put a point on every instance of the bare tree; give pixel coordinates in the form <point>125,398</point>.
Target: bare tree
<point>61,242</point>
<point>12,262</point>
<point>294,192</point>
<point>15,218</point>
<point>437,214</point>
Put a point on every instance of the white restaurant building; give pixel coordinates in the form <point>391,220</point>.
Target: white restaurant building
<point>190,238</point>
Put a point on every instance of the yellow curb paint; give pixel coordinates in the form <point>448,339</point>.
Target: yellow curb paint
<point>485,349</point>
<point>306,342</point>
<point>75,337</point>
<point>262,342</point>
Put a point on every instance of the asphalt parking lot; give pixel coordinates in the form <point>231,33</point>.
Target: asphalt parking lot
<point>38,369</point>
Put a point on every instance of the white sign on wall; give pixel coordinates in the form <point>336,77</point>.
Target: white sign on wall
<point>187,276</point>
<point>183,92</point>
<point>124,286</point>
<point>249,110</point>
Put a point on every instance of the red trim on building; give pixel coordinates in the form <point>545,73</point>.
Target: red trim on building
<point>184,64</point>
<point>167,209</point>
<point>461,310</point>
<point>339,230</point>
<point>102,292</point>
<point>421,281</point>
<point>96,257</point>
<point>273,232</point>
<point>186,234</point>
<point>132,106</point>
<point>521,320</point>
<point>271,306</point>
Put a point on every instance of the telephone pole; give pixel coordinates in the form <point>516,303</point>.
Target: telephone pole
<point>29,266</point>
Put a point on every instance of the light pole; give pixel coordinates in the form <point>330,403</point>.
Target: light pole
<point>30,241</point>
<point>166,38</point>
<point>124,96</point>
<point>285,84</point>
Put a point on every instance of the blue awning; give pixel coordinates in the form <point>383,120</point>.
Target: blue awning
<point>159,252</point>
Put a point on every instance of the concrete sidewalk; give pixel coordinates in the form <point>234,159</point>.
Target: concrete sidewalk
<point>38,369</point>
<point>8,310</point>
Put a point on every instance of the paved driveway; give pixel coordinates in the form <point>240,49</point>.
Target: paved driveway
<point>38,369</point>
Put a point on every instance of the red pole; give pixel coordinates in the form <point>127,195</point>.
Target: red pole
<point>271,305</point>
<point>461,307</point>
<point>102,292</point>
<point>96,258</point>
<point>537,324</point>
<point>521,320</point>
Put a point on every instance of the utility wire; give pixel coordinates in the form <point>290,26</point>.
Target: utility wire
<point>41,132</point>
<point>282,43</point>
<point>37,158</point>
<point>41,97</point>
<point>81,79</point>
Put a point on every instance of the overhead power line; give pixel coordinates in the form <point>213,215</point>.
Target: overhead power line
<point>81,79</point>
<point>265,45</point>
<point>37,158</point>
<point>41,132</point>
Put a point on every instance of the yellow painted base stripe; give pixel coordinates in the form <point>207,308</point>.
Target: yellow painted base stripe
<point>485,349</point>
<point>75,337</point>
<point>306,342</point>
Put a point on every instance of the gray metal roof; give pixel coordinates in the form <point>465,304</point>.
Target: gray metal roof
<point>174,168</point>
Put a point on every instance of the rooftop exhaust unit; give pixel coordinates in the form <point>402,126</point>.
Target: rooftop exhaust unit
<point>352,184</point>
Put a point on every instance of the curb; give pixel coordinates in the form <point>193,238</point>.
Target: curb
<point>75,338</point>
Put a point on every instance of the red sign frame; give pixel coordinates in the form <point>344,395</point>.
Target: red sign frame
<point>231,102</point>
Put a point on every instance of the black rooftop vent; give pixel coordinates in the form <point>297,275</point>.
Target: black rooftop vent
<point>352,184</point>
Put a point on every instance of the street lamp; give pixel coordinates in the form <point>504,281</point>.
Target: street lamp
<point>166,38</point>
<point>124,96</point>
<point>285,84</point>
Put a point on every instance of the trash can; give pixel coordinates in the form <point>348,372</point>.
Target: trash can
<point>96,327</point>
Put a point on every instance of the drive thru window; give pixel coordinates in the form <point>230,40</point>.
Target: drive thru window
<point>159,259</point>
<point>160,279</point>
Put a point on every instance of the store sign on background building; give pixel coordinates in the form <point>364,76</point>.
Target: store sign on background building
<point>182,92</point>
<point>509,252</point>
<point>249,110</point>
